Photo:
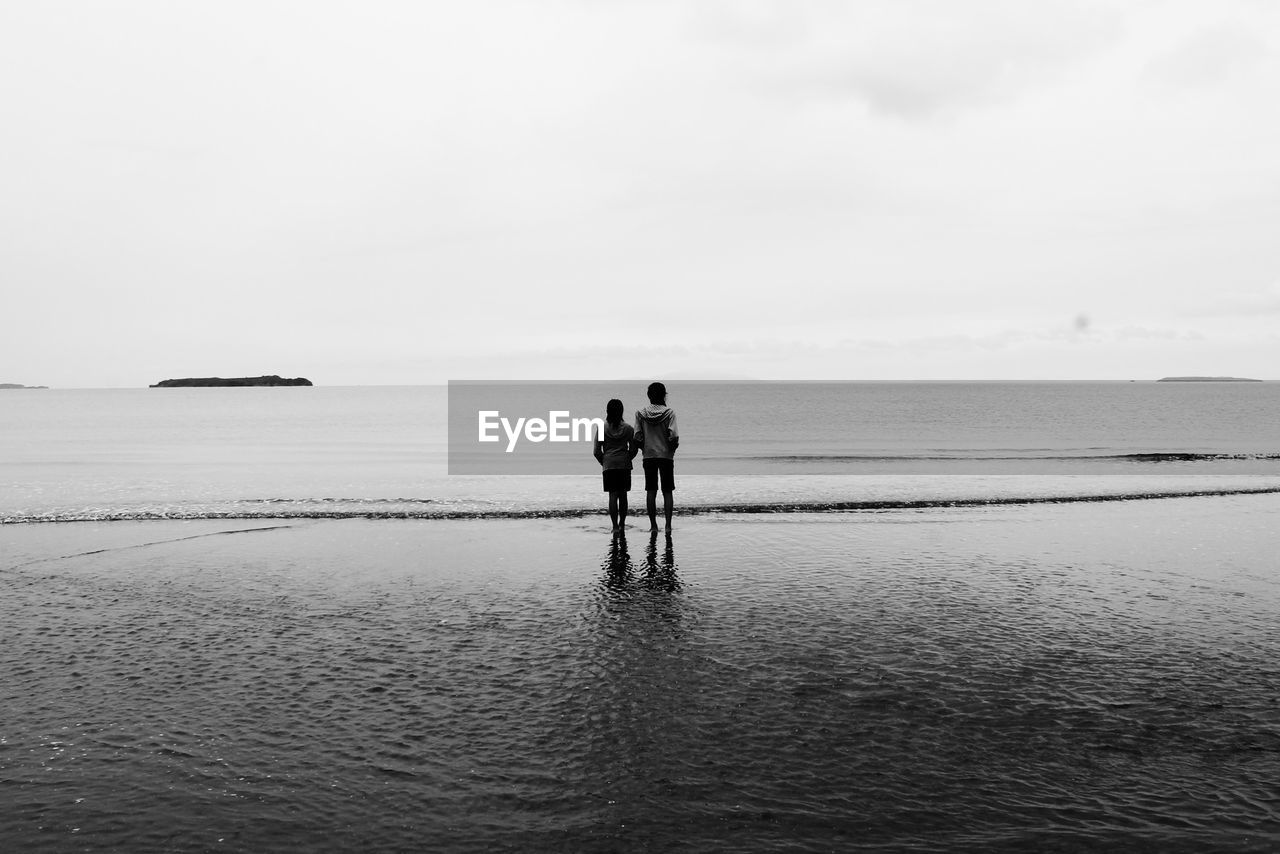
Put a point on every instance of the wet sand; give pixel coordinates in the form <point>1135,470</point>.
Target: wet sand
<point>1052,677</point>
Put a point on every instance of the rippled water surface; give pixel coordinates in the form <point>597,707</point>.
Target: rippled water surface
<point>1052,677</point>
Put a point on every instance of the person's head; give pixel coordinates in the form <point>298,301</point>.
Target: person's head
<point>657,393</point>
<point>613,411</point>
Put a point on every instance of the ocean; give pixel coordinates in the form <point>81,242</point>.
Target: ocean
<point>924,617</point>
<point>381,451</point>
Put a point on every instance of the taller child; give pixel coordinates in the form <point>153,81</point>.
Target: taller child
<point>656,432</point>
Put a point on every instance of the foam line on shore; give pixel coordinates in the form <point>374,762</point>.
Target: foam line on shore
<point>440,511</point>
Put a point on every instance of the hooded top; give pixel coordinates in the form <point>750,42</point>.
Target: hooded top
<point>657,423</point>
<point>613,448</point>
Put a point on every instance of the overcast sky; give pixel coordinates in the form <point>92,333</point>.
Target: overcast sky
<point>378,192</point>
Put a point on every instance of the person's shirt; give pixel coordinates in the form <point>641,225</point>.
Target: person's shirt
<point>613,448</point>
<point>657,423</point>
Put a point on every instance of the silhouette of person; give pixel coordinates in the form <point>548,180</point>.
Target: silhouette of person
<point>614,450</point>
<point>656,433</point>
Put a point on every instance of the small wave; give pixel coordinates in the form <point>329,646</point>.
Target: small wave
<point>1165,456</point>
<point>371,509</point>
<point>252,501</point>
<point>1029,455</point>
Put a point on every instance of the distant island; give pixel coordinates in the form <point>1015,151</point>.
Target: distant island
<point>1207,380</point>
<point>20,385</point>
<point>211,382</point>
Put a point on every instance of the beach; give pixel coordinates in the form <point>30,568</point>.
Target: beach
<point>948,332</point>
<point>1094,675</point>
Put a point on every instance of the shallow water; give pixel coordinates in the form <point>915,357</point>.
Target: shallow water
<point>1057,677</point>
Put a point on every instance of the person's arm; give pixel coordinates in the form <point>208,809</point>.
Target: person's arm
<point>673,435</point>
<point>598,449</point>
<point>633,445</point>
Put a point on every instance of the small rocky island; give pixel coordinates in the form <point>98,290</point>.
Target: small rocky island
<point>1207,380</point>
<point>214,382</point>
<point>20,385</point>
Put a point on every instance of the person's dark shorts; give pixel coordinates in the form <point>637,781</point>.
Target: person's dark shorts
<point>617,480</point>
<point>660,469</point>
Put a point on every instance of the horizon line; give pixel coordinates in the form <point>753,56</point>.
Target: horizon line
<point>717,380</point>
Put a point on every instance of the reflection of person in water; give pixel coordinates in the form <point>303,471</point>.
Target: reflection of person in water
<point>660,574</point>
<point>659,568</point>
<point>631,723</point>
<point>618,572</point>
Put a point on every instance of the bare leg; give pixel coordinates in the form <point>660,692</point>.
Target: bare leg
<point>622,510</point>
<point>613,509</point>
<point>651,500</point>
<point>667,503</point>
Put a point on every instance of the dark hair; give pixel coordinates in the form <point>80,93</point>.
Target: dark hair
<point>613,411</point>
<point>657,393</point>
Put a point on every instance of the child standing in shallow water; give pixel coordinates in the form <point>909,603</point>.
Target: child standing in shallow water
<point>614,450</point>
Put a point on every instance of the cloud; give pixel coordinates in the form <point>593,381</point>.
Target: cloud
<point>711,181</point>
<point>780,347</point>
<point>1207,57</point>
<point>1240,303</point>
<point>1010,339</point>
<point>912,60</point>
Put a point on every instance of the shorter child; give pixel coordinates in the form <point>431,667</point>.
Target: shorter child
<point>614,450</point>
